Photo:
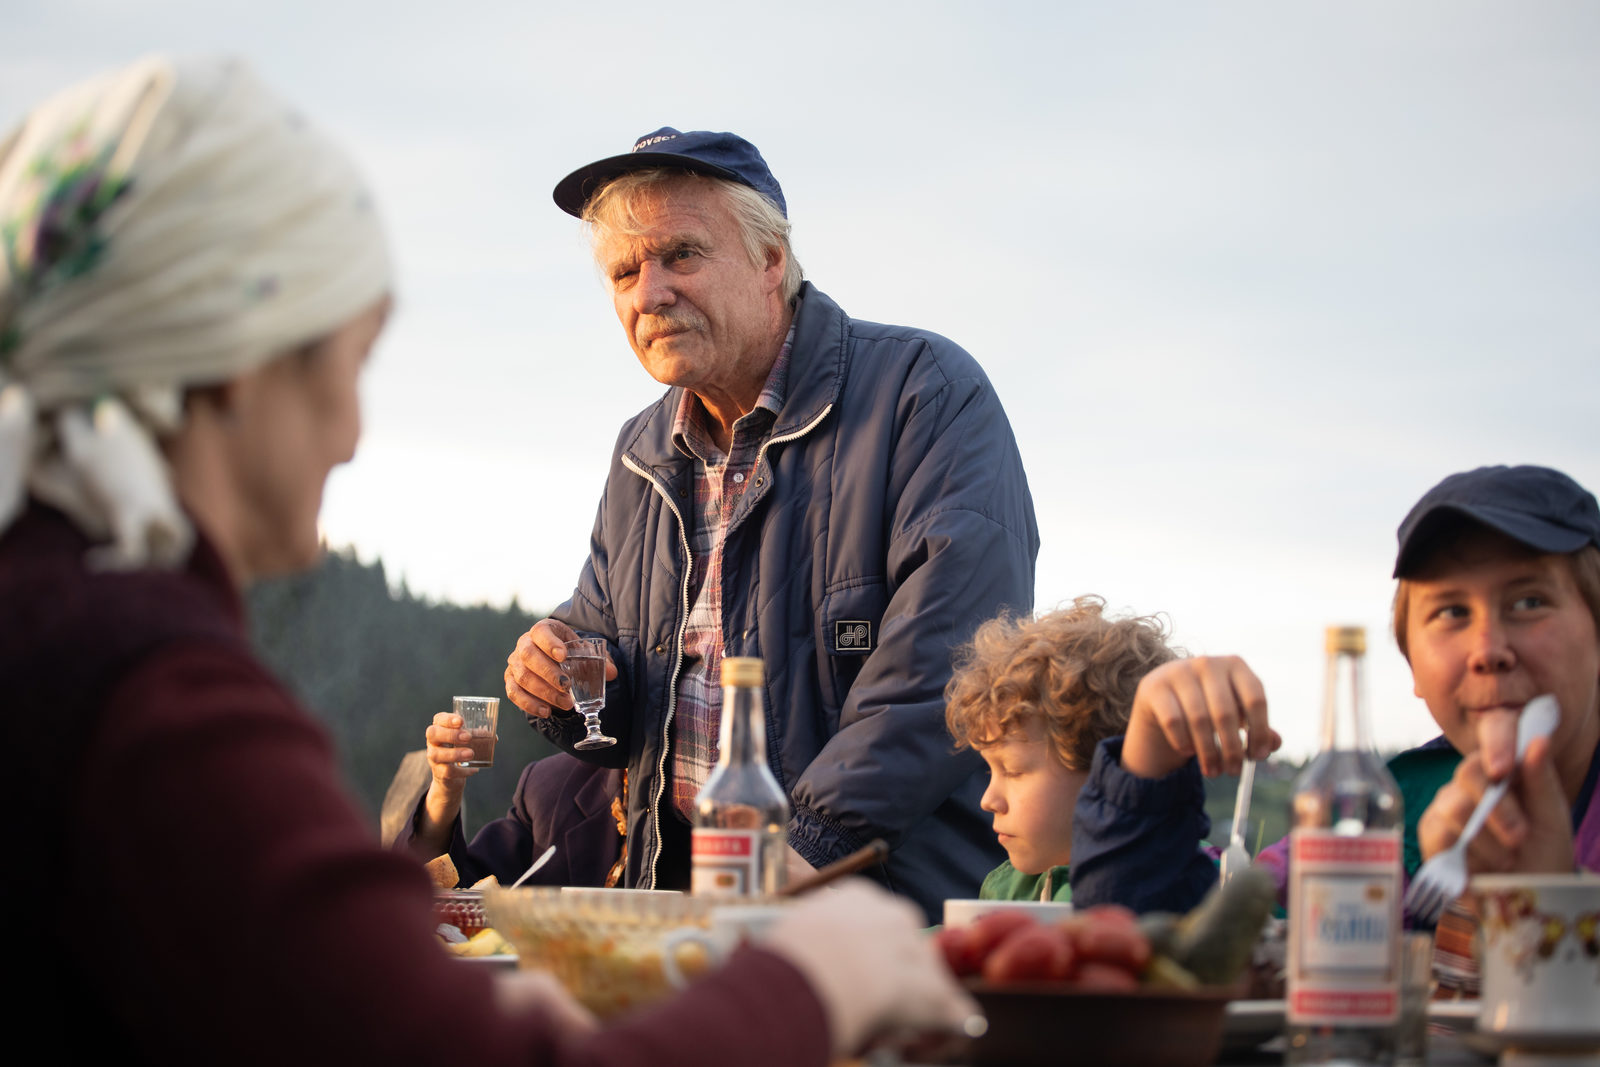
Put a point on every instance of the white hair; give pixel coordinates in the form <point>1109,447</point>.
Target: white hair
<point>762,227</point>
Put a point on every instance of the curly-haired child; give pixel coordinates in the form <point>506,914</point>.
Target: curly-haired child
<point>1035,697</point>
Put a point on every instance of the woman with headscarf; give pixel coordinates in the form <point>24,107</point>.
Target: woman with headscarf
<point>191,279</point>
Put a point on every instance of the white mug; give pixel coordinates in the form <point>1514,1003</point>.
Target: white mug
<point>1540,940</point>
<point>730,927</point>
<point>958,912</point>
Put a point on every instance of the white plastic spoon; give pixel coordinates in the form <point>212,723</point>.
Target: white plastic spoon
<point>540,862</point>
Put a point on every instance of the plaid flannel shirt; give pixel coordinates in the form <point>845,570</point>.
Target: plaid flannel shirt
<point>719,482</point>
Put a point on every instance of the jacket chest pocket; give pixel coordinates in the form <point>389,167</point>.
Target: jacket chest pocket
<point>848,632</point>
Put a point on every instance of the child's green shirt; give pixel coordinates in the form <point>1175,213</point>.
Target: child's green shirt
<point>1005,882</point>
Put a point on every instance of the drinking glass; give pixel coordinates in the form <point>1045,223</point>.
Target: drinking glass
<point>586,667</point>
<point>480,716</point>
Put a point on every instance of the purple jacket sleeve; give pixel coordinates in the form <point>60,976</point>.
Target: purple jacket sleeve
<point>503,847</point>
<point>559,801</point>
<point>1138,842</point>
<point>1275,860</point>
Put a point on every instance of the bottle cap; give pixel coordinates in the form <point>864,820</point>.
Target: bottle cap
<point>1352,639</point>
<point>741,670</point>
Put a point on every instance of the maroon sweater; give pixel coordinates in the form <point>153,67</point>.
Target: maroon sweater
<point>208,891</point>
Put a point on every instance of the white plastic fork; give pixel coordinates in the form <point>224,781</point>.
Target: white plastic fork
<point>1237,857</point>
<point>1444,877</point>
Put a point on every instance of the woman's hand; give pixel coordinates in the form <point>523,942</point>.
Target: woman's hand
<point>1198,707</point>
<point>447,746</point>
<point>906,986</point>
<point>523,991</point>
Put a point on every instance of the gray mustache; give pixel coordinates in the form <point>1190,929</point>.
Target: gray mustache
<point>661,325</point>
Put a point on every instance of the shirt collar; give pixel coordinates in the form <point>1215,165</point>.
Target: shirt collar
<point>689,423</point>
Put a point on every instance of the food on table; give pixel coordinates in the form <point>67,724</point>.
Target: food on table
<point>442,870</point>
<point>1214,942</point>
<point>1032,953</point>
<point>1101,948</point>
<point>460,914</point>
<point>461,909</point>
<point>605,947</point>
<point>485,942</point>
<point>966,947</point>
<point>1109,949</point>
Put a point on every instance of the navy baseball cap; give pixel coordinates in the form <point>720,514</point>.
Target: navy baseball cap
<point>1534,506</point>
<point>720,155</point>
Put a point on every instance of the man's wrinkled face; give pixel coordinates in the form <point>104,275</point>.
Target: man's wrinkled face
<point>696,310</point>
<point>1490,627</point>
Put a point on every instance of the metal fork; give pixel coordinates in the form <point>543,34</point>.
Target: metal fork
<point>1237,857</point>
<point>1444,877</point>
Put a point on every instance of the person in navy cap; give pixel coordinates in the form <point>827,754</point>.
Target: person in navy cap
<point>1499,602</point>
<point>841,498</point>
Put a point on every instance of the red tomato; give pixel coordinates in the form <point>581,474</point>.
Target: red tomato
<point>1123,946</point>
<point>991,929</point>
<point>955,942</point>
<point>1105,978</point>
<point>1032,954</point>
<point>1112,913</point>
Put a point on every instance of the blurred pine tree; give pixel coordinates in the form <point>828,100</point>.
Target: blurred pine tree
<point>375,664</point>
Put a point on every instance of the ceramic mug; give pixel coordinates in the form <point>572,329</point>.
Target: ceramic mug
<point>731,926</point>
<point>966,912</point>
<point>1540,943</point>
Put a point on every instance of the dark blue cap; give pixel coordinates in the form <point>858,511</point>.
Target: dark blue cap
<point>721,155</point>
<point>1535,506</point>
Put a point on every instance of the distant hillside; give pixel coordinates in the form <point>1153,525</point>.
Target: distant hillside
<point>375,665</point>
<point>1269,805</point>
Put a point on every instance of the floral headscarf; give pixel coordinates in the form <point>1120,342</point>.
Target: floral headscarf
<point>169,225</point>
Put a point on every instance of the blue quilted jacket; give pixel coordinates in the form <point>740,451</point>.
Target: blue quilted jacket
<point>887,517</point>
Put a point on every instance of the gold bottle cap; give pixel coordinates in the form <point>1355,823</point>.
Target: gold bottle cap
<point>1351,639</point>
<point>741,670</point>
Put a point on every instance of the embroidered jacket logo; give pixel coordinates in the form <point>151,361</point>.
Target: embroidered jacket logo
<point>852,635</point>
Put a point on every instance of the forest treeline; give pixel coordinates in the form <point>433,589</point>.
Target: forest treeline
<point>375,663</point>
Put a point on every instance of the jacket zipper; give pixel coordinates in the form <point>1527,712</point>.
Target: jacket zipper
<point>683,624</point>
<point>786,438</point>
<point>677,663</point>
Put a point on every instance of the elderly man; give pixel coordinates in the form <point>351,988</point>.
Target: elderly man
<point>843,499</point>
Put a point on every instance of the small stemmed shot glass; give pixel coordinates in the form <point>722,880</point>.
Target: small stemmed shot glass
<point>585,665</point>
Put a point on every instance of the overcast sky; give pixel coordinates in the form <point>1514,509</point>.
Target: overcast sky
<point>1249,277</point>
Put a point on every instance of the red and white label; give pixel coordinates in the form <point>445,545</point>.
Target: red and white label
<point>1344,937</point>
<point>725,863</point>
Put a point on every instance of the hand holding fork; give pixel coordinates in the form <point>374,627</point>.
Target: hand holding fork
<point>1444,877</point>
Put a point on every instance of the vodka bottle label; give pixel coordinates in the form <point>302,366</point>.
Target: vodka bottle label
<point>1344,902</point>
<point>726,863</point>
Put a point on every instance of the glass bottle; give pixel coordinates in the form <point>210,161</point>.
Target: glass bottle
<point>741,816</point>
<point>1344,882</point>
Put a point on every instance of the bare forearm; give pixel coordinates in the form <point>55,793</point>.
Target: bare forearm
<point>435,821</point>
